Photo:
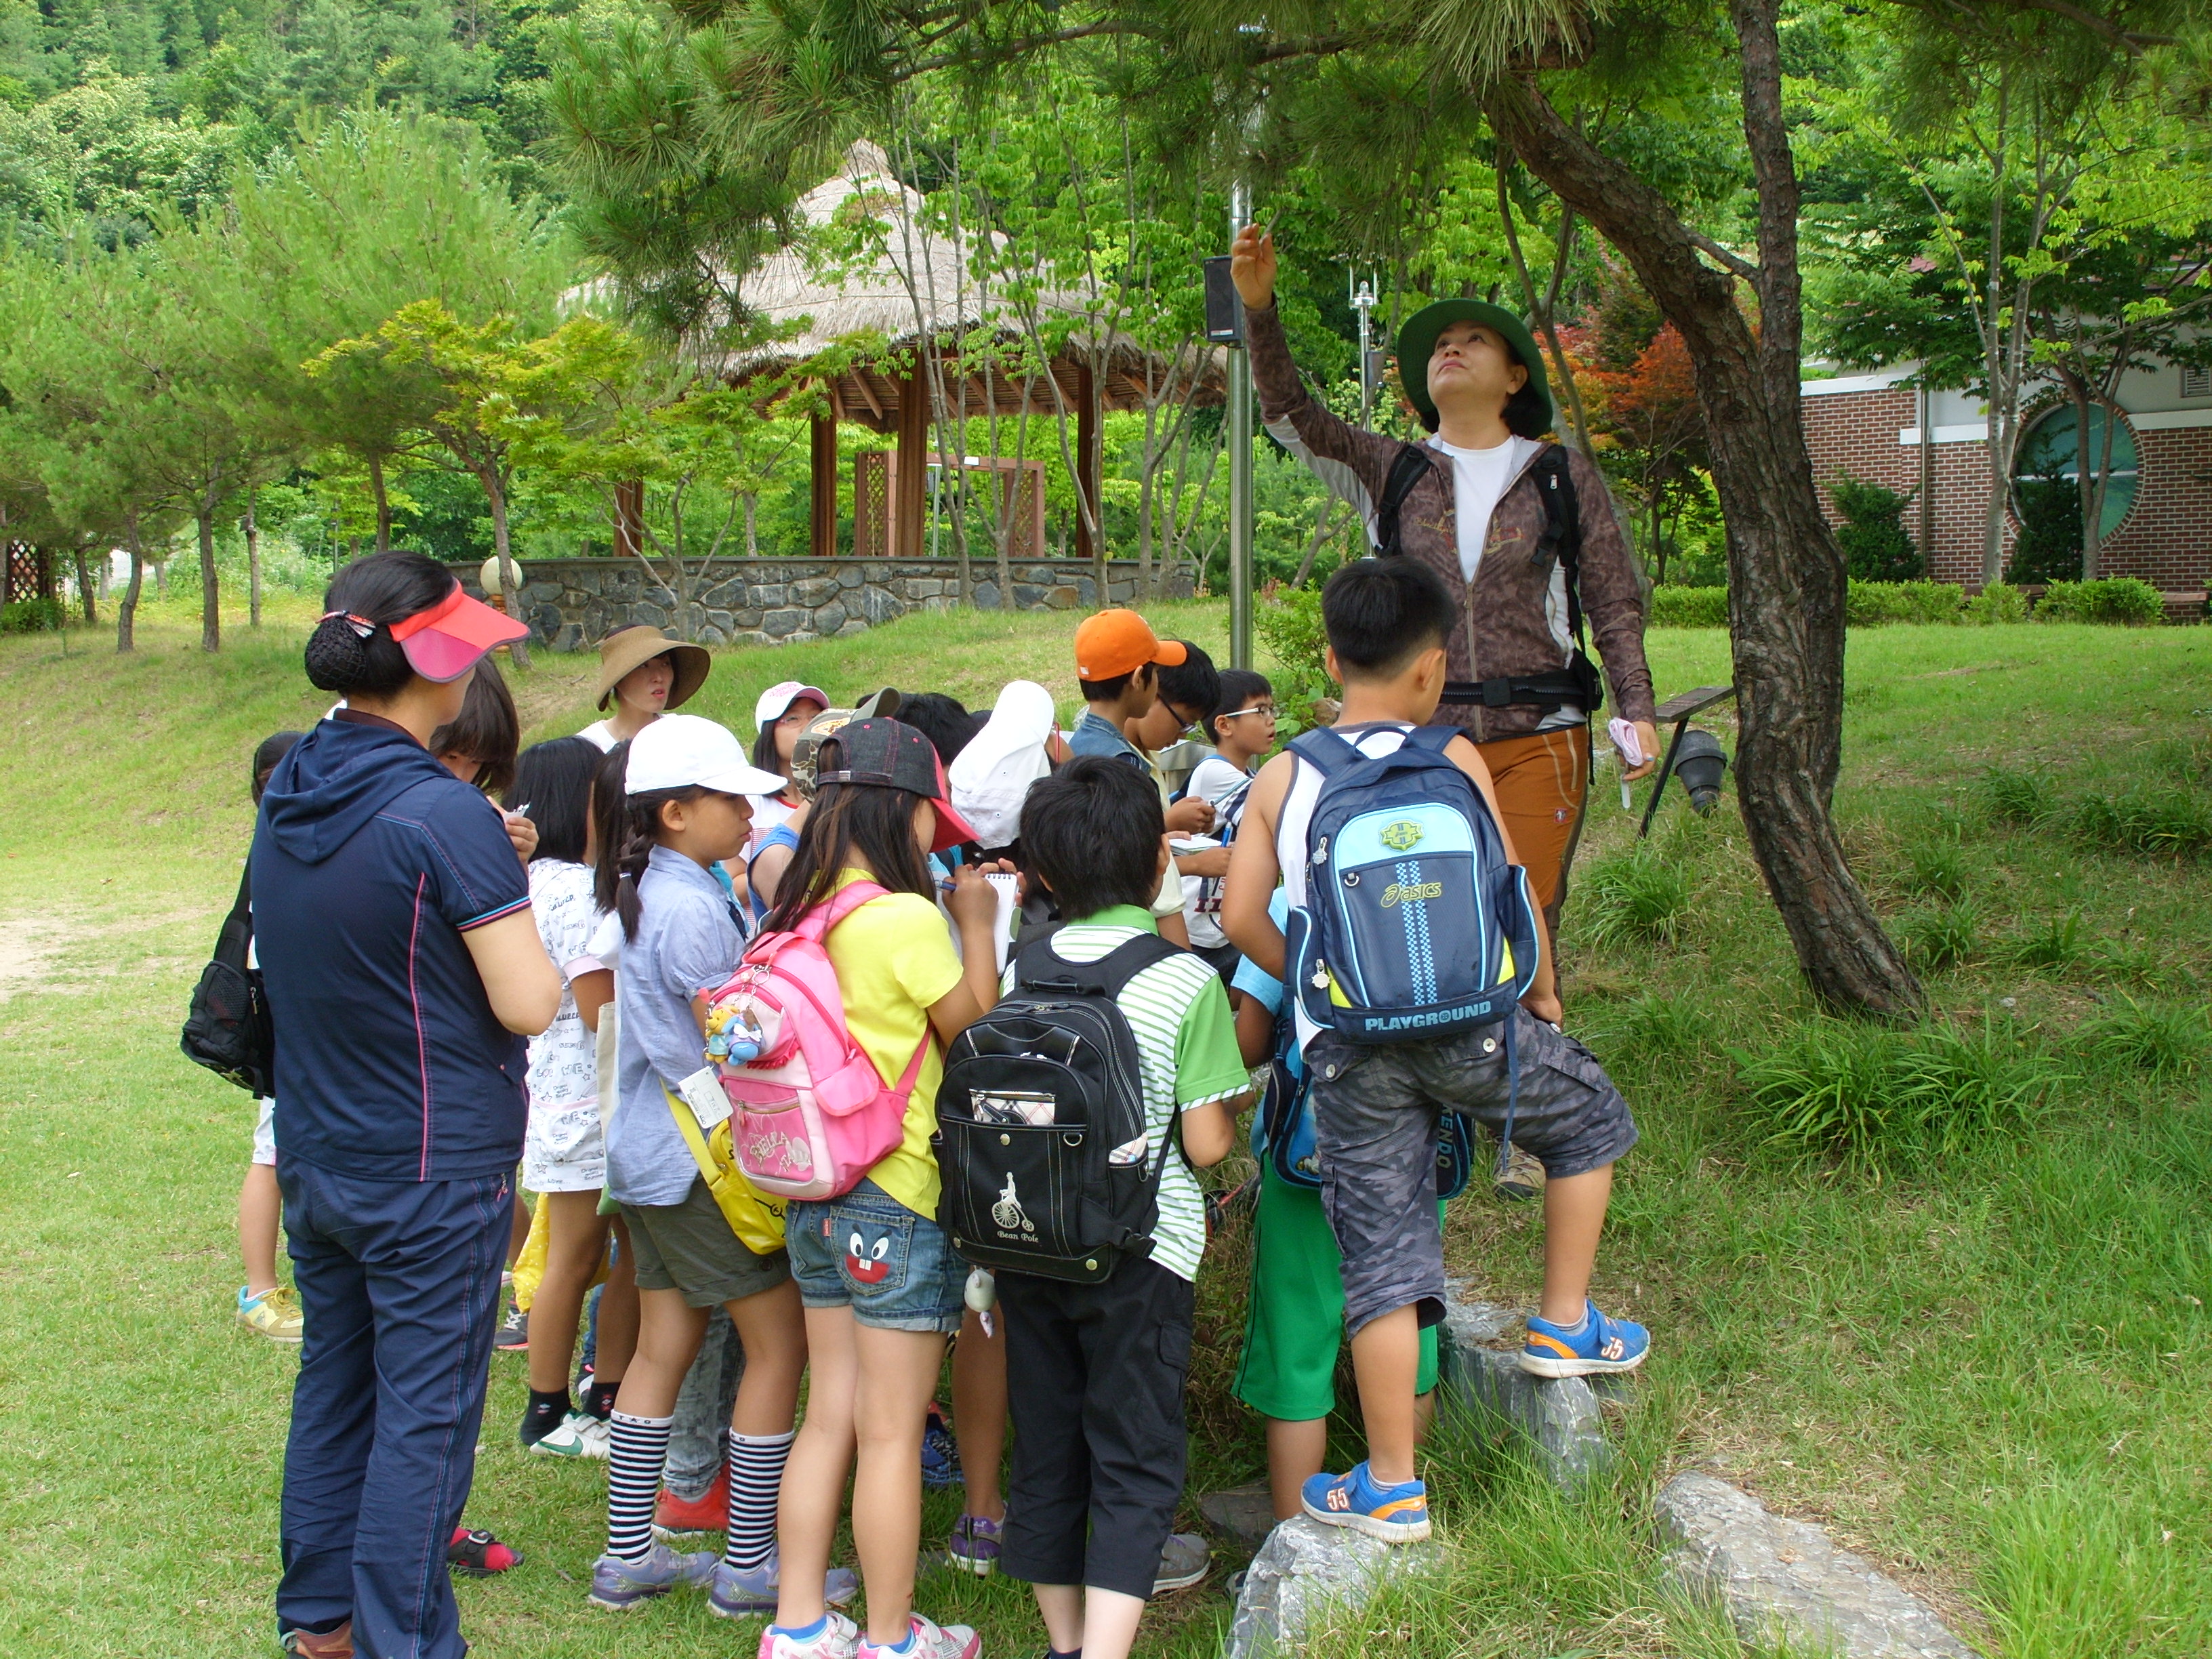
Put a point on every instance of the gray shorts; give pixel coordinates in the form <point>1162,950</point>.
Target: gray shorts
<point>689,1247</point>
<point>1376,1108</point>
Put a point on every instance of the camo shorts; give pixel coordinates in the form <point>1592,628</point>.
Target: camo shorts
<point>1376,1108</point>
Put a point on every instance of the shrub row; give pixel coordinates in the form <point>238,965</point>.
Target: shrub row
<point>31,616</point>
<point>2121,600</point>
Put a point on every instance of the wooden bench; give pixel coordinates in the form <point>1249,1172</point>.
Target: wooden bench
<point>1681,708</point>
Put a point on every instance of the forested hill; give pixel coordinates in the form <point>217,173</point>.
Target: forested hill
<point>108,107</point>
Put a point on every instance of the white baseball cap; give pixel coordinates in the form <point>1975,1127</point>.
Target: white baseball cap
<point>678,751</point>
<point>779,696</point>
<point>990,777</point>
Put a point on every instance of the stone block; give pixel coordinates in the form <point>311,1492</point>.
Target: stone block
<point>711,634</point>
<point>814,591</point>
<point>1028,597</point>
<point>849,576</point>
<point>1562,1417</point>
<point>690,617</point>
<point>877,606</point>
<point>723,620</point>
<point>1120,593</point>
<point>542,592</point>
<point>1305,1568</point>
<point>1784,1580</point>
<point>1086,592</point>
<point>748,616</point>
<point>783,623</point>
<point>569,637</point>
<point>923,588</point>
<point>725,595</point>
<point>853,625</point>
<point>986,596</point>
<point>1063,598</point>
<point>753,636</point>
<point>652,615</point>
<point>768,595</point>
<point>829,618</point>
<point>1245,1513</point>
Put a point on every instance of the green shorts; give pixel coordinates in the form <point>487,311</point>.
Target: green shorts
<point>689,1247</point>
<point>1296,1323</point>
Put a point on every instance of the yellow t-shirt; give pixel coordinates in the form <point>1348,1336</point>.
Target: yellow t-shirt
<point>894,957</point>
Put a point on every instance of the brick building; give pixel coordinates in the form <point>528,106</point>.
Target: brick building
<point>2157,509</point>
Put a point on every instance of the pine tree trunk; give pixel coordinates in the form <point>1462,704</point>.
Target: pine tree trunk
<point>126,613</point>
<point>383,503</point>
<point>495,489</point>
<point>252,563</point>
<point>1786,586</point>
<point>84,587</point>
<point>211,597</point>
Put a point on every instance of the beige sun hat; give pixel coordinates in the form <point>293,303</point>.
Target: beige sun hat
<point>632,648</point>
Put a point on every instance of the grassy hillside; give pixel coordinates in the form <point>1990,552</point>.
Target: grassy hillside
<point>1980,1356</point>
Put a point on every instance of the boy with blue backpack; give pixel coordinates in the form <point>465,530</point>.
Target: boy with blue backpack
<point>1417,975</point>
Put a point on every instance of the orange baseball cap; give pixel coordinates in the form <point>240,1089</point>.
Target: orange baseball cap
<point>1117,642</point>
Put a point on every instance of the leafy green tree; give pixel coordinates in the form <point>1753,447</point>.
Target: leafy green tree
<point>374,211</point>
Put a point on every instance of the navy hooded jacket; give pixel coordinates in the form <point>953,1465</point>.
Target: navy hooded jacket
<point>370,862</point>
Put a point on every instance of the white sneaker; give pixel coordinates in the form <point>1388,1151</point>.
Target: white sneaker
<point>580,1435</point>
<point>840,1639</point>
<point>931,1641</point>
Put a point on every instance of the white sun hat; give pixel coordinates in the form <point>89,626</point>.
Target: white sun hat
<point>779,696</point>
<point>990,777</point>
<point>679,750</point>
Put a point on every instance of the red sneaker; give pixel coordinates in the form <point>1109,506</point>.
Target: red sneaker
<point>478,1554</point>
<point>677,1518</point>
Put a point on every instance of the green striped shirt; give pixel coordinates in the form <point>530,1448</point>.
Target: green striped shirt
<point>1187,1056</point>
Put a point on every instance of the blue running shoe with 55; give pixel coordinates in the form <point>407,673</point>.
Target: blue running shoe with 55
<point>1396,1515</point>
<point>1597,1348</point>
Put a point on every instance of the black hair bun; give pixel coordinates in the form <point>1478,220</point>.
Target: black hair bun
<point>338,656</point>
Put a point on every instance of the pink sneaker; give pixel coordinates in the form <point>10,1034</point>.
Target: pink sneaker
<point>930,1642</point>
<point>838,1638</point>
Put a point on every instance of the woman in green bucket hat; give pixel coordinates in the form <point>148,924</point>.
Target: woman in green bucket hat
<point>1471,504</point>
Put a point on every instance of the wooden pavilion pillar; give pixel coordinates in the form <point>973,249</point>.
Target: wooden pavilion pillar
<point>909,482</point>
<point>821,510</point>
<point>629,518</point>
<point>1087,440</point>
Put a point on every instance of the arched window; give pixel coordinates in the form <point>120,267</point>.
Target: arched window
<point>2047,466</point>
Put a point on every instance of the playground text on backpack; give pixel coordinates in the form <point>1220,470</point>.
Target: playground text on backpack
<point>810,1115</point>
<point>1042,1137</point>
<point>1414,925</point>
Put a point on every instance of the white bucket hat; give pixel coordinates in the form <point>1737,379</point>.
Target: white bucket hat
<point>990,777</point>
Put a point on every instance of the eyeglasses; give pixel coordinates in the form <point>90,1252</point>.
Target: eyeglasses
<point>1266,708</point>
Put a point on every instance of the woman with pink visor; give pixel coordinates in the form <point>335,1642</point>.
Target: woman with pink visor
<point>392,922</point>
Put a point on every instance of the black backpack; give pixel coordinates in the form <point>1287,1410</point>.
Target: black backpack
<point>1039,1097</point>
<point>227,1028</point>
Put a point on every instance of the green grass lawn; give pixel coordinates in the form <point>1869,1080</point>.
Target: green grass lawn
<point>1980,1358</point>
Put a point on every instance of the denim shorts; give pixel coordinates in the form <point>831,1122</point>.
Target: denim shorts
<point>867,1251</point>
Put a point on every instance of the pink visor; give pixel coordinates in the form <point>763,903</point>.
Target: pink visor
<point>444,642</point>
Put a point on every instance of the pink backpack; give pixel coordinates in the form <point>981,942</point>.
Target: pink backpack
<point>810,1115</point>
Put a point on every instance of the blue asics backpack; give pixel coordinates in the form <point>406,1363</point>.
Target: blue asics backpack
<point>1414,925</point>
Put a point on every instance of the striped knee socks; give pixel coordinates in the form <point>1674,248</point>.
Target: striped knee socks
<point>637,1453</point>
<point>756,1464</point>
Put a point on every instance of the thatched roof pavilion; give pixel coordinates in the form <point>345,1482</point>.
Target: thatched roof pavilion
<point>917,293</point>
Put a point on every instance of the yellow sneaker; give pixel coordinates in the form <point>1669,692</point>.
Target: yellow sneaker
<point>275,1314</point>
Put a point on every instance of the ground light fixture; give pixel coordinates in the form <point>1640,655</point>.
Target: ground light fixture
<point>1698,762</point>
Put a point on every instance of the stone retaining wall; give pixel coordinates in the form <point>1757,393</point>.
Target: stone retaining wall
<point>573,604</point>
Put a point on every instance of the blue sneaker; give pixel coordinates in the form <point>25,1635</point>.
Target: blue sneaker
<point>748,1594</point>
<point>1396,1515</point>
<point>1602,1346</point>
<point>621,1584</point>
<point>940,1453</point>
